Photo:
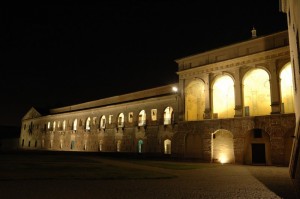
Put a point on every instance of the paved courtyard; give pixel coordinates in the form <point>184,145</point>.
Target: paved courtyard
<point>210,181</point>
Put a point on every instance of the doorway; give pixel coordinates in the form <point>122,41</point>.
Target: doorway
<point>258,154</point>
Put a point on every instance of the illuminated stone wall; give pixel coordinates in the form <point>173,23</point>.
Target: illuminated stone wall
<point>47,132</point>
<point>230,107</point>
<point>276,136</point>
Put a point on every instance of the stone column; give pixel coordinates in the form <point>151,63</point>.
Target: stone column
<point>274,89</point>
<point>207,111</point>
<point>238,94</point>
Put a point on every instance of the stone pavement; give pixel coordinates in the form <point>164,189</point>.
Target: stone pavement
<point>215,181</point>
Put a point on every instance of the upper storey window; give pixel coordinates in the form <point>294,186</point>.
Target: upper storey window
<point>168,115</point>
<point>121,120</point>
<point>88,124</point>
<point>103,122</point>
<point>75,125</point>
<point>142,118</point>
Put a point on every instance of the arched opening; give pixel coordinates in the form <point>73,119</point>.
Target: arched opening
<point>64,125</point>
<point>142,118</point>
<point>88,124</point>
<point>100,145</point>
<point>121,120</point>
<point>222,149</point>
<point>168,113</point>
<point>287,90</point>
<point>257,99</point>
<point>75,125</point>
<point>118,145</point>
<point>167,146</point>
<point>102,122</point>
<point>140,146</point>
<point>195,100</point>
<point>223,97</point>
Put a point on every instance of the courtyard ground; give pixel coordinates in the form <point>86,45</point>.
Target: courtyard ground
<point>87,176</point>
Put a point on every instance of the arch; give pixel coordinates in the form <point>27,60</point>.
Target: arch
<point>121,120</point>
<point>167,146</point>
<point>168,115</point>
<point>119,145</point>
<point>256,93</point>
<point>54,125</point>
<point>75,125</point>
<point>195,100</point>
<point>100,145</point>
<point>223,97</point>
<point>64,125</point>
<point>49,125</point>
<point>102,122</point>
<point>222,147</point>
<point>142,118</point>
<point>88,124</point>
<point>257,147</point>
<point>140,146</point>
<point>193,146</point>
<point>286,89</point>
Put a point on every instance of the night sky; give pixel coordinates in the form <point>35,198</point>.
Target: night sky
<point>59,55</point>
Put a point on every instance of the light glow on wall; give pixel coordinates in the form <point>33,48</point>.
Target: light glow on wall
<point>222,149</point>
<point>195,101</point>
<point>257,98</point>
<point>287,89</point>
<point>223,97</point>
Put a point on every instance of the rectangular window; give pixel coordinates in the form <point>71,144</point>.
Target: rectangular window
<point>130,117</point>
<point>257,133</point>
<point>154,114</point>
<point>110,119</point>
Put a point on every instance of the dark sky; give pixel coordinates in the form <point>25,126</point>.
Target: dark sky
<point>57,55</point>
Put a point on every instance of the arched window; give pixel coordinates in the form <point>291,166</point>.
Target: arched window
<point>167,146</point>
<point>121,120</point>
<point>100,145</point>
<point>195,100</point>
<point>64,125</point>
<point>54,125</point>
<point>168,115</point>
<point>257,99</point>
<point>287,89</point>
<point>118,145</point>
<point>75,125</point>
<point>223,97</point>
<point>142,118</point>
<point>88,124</point>
<point>102,122</point>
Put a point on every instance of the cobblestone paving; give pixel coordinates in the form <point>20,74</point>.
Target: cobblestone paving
<point>222,181</point>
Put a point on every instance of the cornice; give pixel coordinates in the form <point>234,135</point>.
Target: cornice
<point>264,56</point>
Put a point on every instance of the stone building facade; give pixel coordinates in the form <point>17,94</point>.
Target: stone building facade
<point>292,9</point>
<point>232,105</point>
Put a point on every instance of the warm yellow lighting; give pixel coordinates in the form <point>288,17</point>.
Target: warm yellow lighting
<point>174,88</point>
<point>223,97</point>
<point>287,89</point>
<point>195,100</point>
<point>223,159</point>
<point>257,92</point>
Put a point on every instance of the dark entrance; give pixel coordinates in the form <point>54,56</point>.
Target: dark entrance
<point>258,154</point>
